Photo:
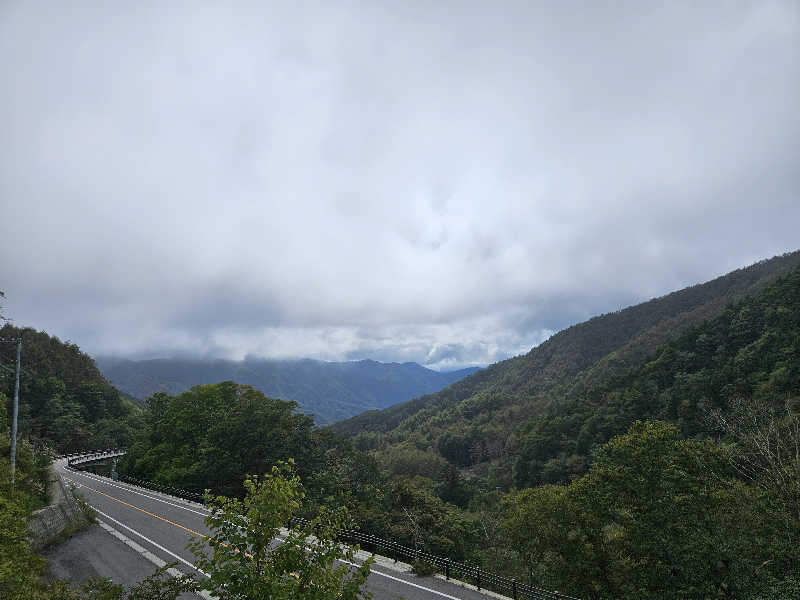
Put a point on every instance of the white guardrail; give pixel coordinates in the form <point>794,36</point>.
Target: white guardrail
<point>75,462</point>
<point>80,458</point>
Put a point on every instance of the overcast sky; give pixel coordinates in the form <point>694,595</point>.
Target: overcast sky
<point>443,182</point>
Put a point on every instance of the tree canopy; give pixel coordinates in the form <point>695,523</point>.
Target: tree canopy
<point>245,562</point>
<point>66,405</point>
<point>656,515</point>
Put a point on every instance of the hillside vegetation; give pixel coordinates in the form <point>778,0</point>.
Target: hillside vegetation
<point>66,405</point>
<point>328,390</point>
<point>751,351</point>
<point>480,422</point>
<point>663,468</point>
<point>674,474</point>
<point>212,436</point>
<point>20,567</point>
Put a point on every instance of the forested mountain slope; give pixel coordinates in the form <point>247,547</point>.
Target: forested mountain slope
<point>481,418</point>
<point>654,483</point>
<point>748,354</point>
<point>328,390</point>
<point>65,402</point>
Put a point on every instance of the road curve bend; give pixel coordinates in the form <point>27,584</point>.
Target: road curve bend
<point>157,527</point>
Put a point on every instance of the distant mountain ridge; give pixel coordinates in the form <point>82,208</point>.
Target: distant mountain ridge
<point>329,390</point>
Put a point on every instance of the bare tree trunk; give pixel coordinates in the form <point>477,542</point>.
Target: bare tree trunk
<point>766,452</point>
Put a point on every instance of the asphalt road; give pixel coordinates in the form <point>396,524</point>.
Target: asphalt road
<point>138,527</point>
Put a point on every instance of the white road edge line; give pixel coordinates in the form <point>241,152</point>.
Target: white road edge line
<point>127,489</point>
<point>416,585</point>
<point>147,554</point>
<point>432,591</point>
<point>175,573</point>
<point>148,540</point>
<point>160,563</point>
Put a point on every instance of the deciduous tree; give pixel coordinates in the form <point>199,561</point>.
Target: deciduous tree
<point>248,560</point>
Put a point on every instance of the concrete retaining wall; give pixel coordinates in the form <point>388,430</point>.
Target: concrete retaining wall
<point>46,524</point>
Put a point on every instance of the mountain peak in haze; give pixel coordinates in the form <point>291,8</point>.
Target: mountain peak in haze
<point>329,390</point>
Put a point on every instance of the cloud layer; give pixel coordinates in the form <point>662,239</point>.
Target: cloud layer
<point>441,182</point>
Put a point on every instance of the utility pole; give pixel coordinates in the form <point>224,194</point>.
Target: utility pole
<point>14,418</point>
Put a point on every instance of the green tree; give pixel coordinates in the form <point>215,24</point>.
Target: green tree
<point>62,394</point>
<point>764,450</point>
<point>539,523</point>
<point>19,566</point>
<point>3,414</point>
<point>213,435</point>
<point>245,563</point>
<point>651,519</point>
<point>656,516</point>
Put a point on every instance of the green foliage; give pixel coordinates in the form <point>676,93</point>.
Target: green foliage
<point>244,561</point>
<point>21,569</point>
<point>764,451</point>
<point>65,403</point>
<point>19,566</point>
<point>624,506</point>
<point>655,516</point>
<point>343,477</point>
<point>328,390</point>
<point>213,435</point>
<point>158,586</point>
<point>422,568</point>
<point>751,350</point>
<point>5,422</point>
<point>412,514</point>
<point>483,419</point>
<point>537,522</point>
<point>31,476</point>
<point>407,460</point>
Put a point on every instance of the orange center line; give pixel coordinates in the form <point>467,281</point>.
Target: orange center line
<point>160,518</point>
<point>147,512</point>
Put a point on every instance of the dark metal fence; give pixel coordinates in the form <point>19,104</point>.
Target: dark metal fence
<point>164,489</point>
<point>475,575</point>
<point>480,578</point>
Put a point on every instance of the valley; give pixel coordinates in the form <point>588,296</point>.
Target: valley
<point>555,468</point>
<point>326,390</point>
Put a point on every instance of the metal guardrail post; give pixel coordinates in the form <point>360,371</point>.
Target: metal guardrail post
<point>447,569</point>
<point>478,572</point>
<point>514,589</point>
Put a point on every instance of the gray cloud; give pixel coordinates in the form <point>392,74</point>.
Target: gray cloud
<point>446,183</point>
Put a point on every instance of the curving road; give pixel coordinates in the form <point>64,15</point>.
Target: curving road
<point>140,529</point>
